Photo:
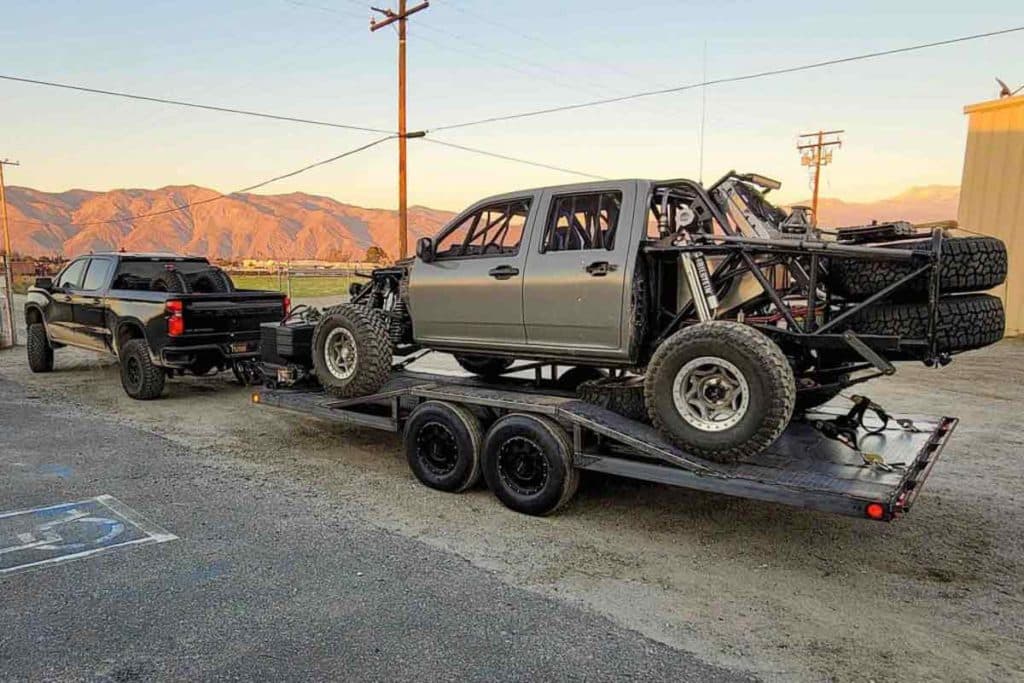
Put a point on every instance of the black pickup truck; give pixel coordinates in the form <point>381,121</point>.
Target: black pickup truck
<point>160,314</point>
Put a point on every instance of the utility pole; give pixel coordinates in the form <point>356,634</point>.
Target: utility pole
<point>11,334</point>
<point>390,17</point>
<point>816,151</point>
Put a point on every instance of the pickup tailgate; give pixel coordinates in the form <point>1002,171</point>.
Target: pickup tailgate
<point>228,314</point>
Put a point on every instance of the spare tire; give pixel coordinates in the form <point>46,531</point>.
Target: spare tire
<point>964,322</point>
<point>485,366</point>
<point>169,281</point>
<point>211,281</point>
<point>622,395</point>
<point>969,264</point>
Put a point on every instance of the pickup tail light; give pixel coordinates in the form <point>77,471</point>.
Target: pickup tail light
<point>175,318</point>
<point>287,306</point>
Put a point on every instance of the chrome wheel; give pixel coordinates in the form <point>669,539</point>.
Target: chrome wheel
<point>711,394</point>
<point>340,353</point>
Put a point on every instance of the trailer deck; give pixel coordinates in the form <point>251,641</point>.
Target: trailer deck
<point>804,468</point>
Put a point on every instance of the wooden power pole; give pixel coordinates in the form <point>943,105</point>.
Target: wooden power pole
<point>11,333</point>
<point>390,17</point>
<point>815,152</point>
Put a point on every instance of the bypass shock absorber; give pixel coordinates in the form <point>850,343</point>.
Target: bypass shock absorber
<point>695,265</point>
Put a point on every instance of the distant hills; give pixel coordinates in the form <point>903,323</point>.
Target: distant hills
<point>299,225</point>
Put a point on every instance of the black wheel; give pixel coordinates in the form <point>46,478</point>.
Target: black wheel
<point>485,366</point>
<point>969,264</point>
<point>720,390</point>
<point>40,353</point>
<point>963,322</point>
<point>351,351</point>
<point>442,444</point>
<point>140,378</point>
<point>211,281</point>
<point>572,378</point>
<point>527,462</point>
<point>622,395</point>
<point>169,281</point>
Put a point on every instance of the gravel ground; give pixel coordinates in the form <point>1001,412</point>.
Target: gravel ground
<point>784,593</point>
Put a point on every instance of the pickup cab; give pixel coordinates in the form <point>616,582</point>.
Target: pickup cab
<point>128,305</point>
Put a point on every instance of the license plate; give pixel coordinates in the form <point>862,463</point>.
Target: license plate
<point>239,347</point>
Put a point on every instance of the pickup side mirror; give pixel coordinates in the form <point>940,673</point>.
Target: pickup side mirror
<point>45,283</point>
<point>425,249</point>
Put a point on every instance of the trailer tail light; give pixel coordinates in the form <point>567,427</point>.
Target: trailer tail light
<point>875,511</point>
<point>287,306</point>
<point>176,319</point>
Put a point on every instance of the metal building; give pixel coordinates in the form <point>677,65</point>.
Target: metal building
<point>992,190</point>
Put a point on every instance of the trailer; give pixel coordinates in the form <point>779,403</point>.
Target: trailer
<point>530,440</point>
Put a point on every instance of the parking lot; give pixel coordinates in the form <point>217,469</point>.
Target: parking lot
<point>276,516</point>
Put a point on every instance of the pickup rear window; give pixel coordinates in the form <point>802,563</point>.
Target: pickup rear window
<point>137,275</point>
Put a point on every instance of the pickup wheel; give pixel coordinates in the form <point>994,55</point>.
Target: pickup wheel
<point>527,462</point>
<point>442,444</point>
<point>40,353</point>
<point>485,366</point>
<point>351,351</point>
<point>141,379</point>
<point>720,390</point>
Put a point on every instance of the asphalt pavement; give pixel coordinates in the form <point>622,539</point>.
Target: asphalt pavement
<point>202,567</point>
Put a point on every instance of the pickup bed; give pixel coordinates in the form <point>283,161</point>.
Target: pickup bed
<point>159,314</point>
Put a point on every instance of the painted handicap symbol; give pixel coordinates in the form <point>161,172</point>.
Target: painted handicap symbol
<point>73,524</point>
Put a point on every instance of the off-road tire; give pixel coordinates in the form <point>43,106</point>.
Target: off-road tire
<point>622,395</point>
<point>40,353</point>
<point>373,351</point>
<point>212,281</point>
<point>963,322</point>
<point>969,264</point>
<point>485,366</point>
<point>169,281</point>
<point>572,378</point>
<point>560,480</point>
<point>141,379</point>
<point>441,425</point>
<point>769,377</point>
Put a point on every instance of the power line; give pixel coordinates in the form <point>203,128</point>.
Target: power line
<point>513,159</point>
<point>731,79</point>
<point>208,200</point>
<point>193,105</point>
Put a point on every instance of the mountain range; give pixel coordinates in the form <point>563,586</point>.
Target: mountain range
<point>297,225</point>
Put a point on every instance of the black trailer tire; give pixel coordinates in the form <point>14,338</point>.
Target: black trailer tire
<point>624,396</point>
<point>40,353</point>
<point>141,379</point>
<point>485,366</point>
<point>358,361</point>
<point>572,378</point>
<point>963,322</point>
<point>696,370</point>
<point>527,462</point>
<point>969,264</point>
<point>443,442</point>
<point>169,281</point>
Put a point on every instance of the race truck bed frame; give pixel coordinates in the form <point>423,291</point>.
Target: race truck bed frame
<point>805,468</point>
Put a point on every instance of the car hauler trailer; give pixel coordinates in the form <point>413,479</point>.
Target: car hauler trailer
<point>530,441</point>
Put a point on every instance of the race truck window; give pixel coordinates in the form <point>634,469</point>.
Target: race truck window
<point>494,230</point>
<point>71,277</point>
<point>582,221</point>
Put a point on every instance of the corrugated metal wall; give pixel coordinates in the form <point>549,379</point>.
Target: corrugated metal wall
<point>992,190</point>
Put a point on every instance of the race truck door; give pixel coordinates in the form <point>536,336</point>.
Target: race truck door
<point>472,292</point>
<point>577,267</point>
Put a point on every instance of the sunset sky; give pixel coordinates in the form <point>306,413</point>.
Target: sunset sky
<point>473,59</point>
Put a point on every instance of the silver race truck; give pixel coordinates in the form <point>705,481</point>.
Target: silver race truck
<point>708,312</point>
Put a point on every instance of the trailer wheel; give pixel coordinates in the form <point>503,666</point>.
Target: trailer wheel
<point>485,366</point>
<point>527,462</point>
<point>141,379</point>
<point>442,445</point>
<point>720,390</point>
<point>351,351</point>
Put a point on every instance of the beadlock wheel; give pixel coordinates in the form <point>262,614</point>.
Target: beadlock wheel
<point>711,394</point>
<point>340,353</point>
